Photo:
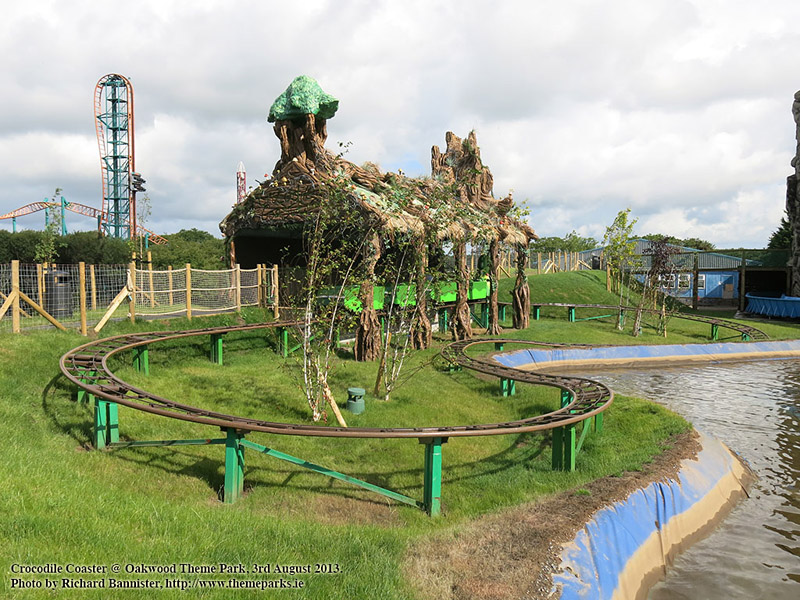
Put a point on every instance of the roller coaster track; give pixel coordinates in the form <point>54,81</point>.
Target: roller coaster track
<point>81,209</point>
<point>581,400</point>
<point>87,367</point>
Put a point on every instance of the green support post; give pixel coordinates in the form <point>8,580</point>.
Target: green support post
<point>141,359</point>
<point>569,447</point>
<point>499,346</point>
<point>442,320</point>
<point>598,422</point>
<point>714,331</point>
<point>234,466</point>
<point>106,423</point>
<point>485,315</point>
<point>621,319</point>
<point>216,348</point>
<point>83,395</point>
<point>100,423</point>
<point>432,488</point>
<point>112,422</point>
<point>745,337</point>
<point>502,312</point>
<point>508,387</point>
<point>558,448</point>
<point>564,441</point>
<point>537,310</point>
<point>571,314</point>
<point>283,342</point>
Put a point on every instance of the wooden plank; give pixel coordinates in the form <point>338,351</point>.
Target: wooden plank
<point>41,311</point>
<point>7,304</point>
<point>123,294</point>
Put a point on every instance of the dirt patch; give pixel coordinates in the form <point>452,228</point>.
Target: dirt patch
<point>514,554</point>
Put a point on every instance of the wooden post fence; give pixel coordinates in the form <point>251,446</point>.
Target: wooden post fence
<point>237,278</point>
<point>82,295</point>
<point>15,296</point>
<point>188,291</point>
<point>132,279</point>
<point>276,310</point>
<point>169,283</point>
<point>93,283</point>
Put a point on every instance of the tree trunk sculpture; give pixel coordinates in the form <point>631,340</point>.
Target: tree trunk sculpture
<point>421,332</point>
<point>462,325</point>
<point>521,294</point>
<point>494,263</point>
<point>367,345</point>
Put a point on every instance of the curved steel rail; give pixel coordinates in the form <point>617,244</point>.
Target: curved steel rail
<point>87,367</point>
<point>752,332</point>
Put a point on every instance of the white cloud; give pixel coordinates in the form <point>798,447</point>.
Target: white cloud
<point>677,108</point>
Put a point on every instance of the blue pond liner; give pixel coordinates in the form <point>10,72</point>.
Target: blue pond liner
<point>593,564</point>
<point>785,306</point>
<point>526,357</point>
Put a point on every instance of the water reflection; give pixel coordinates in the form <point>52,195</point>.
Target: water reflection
<point>755,409</point>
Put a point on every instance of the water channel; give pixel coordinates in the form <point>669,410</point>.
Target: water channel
<point>753,407</point>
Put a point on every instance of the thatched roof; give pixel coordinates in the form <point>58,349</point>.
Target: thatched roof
<point>455,203</point>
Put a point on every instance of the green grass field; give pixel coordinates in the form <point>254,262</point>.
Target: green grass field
<point>64,504</point>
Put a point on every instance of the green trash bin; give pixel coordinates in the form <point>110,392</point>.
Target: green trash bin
<point>355,400</point>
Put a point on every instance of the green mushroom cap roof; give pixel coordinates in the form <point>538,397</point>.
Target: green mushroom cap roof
<point>303,96</point>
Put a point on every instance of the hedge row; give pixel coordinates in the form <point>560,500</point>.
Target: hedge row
<point>199,248</point>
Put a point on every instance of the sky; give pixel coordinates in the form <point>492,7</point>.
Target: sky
<point>677,109</point>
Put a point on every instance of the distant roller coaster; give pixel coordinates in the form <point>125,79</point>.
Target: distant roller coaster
<point>113,111</point>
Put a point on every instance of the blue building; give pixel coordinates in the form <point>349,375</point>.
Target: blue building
<point>719,275</point>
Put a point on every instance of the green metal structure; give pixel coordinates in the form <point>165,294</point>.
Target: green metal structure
<point>113,106</point>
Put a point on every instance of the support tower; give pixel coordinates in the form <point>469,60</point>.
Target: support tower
<point>113,111</point>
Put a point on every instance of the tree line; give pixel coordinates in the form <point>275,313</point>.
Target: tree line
<point>201,249</point>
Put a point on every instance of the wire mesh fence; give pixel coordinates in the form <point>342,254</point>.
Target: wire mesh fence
<point>81,296</point>
<point>191,291</point>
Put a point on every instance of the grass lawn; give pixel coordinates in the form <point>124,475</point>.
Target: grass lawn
<point>64,504</point>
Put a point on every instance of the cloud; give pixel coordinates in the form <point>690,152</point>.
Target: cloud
<point>679,109</point>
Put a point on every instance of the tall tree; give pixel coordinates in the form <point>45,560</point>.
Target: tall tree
<point>781,238</point>
<point>619,246</point>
